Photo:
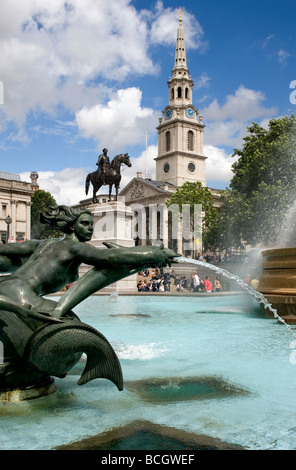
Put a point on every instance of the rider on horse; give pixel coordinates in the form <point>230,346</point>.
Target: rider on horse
<point>103,164</point>
<point>107,173</point>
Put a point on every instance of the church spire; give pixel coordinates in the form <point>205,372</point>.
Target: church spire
<point>180,155</point>
<point>180,84</point>
<point>180,54</point>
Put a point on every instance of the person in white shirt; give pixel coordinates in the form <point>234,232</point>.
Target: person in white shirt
<point>195,282</point>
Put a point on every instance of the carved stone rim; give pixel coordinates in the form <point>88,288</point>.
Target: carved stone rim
<point>29,393</point>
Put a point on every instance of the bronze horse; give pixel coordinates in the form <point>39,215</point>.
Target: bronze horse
<point>112,177</point>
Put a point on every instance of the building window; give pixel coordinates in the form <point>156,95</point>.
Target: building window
<point>168,141</point>
<point>172,93</point>
<point>190,140</point>
<point>179,92</point>
<point>186,93</point>
<point>4,210</point>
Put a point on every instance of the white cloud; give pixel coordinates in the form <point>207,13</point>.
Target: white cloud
<point>122,121</point>
<point>144,163</point>
<point>244,104</point>
<point>227,124</point>
<point>218,164</point>
<point>267,40</point>
<point>163,29</point>
<point>70,56</point>
<point>66,186</point>
<point>203,81</point>
<point>283,56</point>
<point>50,50</point>
<point>228,133</point>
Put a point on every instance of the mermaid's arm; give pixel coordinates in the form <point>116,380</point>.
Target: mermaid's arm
<point>25,248</point>
<point>136,259</point>
<point>13,255</point>
<point>88,284</point>
<point>119,256</point>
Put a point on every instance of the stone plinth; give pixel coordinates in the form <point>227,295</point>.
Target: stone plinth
<point>113,223</point>
<point>278,281</point>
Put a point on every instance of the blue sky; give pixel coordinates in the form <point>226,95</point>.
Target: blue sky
<point>86,74</point>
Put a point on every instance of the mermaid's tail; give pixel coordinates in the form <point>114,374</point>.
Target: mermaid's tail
<point>54,349</point>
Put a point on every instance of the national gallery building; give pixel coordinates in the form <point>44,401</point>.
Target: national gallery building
<point>15,207</point>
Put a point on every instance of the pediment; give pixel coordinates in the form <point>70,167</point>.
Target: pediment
<point>139,189</point>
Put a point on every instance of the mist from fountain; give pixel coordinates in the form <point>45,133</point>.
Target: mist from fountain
<point>257,295</point>
<point>287,237</point>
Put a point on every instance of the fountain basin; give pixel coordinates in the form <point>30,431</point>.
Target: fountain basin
<point>244,361</point>
<point>278,281</point>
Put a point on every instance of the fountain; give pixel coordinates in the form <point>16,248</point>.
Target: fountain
<point>41,338</point>
<point>258,295</point>
<point>199,372</point>
<point>278,281</point>
<point>213,369</point>
<point>278,278</point>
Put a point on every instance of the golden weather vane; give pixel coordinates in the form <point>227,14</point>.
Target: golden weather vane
<point>180,17</point>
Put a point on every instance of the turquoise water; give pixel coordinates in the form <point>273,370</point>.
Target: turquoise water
<point>225,338</point>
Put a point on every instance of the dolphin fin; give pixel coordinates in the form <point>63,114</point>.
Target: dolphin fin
<point>112,245</point>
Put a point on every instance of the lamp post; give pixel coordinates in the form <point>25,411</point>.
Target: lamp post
<point>8,221</point>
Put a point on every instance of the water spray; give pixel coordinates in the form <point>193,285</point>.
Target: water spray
<point>257,295</point>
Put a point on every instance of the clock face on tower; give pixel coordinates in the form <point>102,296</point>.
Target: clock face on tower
<point>190,112</point>
<point>168,113</point>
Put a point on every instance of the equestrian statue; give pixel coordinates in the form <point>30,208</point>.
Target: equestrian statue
<point>107,173</point>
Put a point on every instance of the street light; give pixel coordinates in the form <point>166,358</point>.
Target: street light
<point>8,221</point>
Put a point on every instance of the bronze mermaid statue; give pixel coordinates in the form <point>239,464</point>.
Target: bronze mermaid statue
<point>40,337</point>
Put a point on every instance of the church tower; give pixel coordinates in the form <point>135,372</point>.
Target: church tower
<point>180,132</point>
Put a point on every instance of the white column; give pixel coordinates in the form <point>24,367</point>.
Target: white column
<point>12,228</point>
<point>28,220</point>
<point>180,237</point>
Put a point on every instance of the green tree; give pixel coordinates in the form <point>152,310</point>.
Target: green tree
<point>192,195</point>
<point>41,200</point>
<point>263,186</point>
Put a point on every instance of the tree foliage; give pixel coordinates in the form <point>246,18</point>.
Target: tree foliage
<point>41,200</point>
<point>263,187</point>
<point>194,194</point>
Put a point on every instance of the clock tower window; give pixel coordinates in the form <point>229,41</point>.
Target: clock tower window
<point>179,92</point>
<point>168,141</point>
<point>190,140</point>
